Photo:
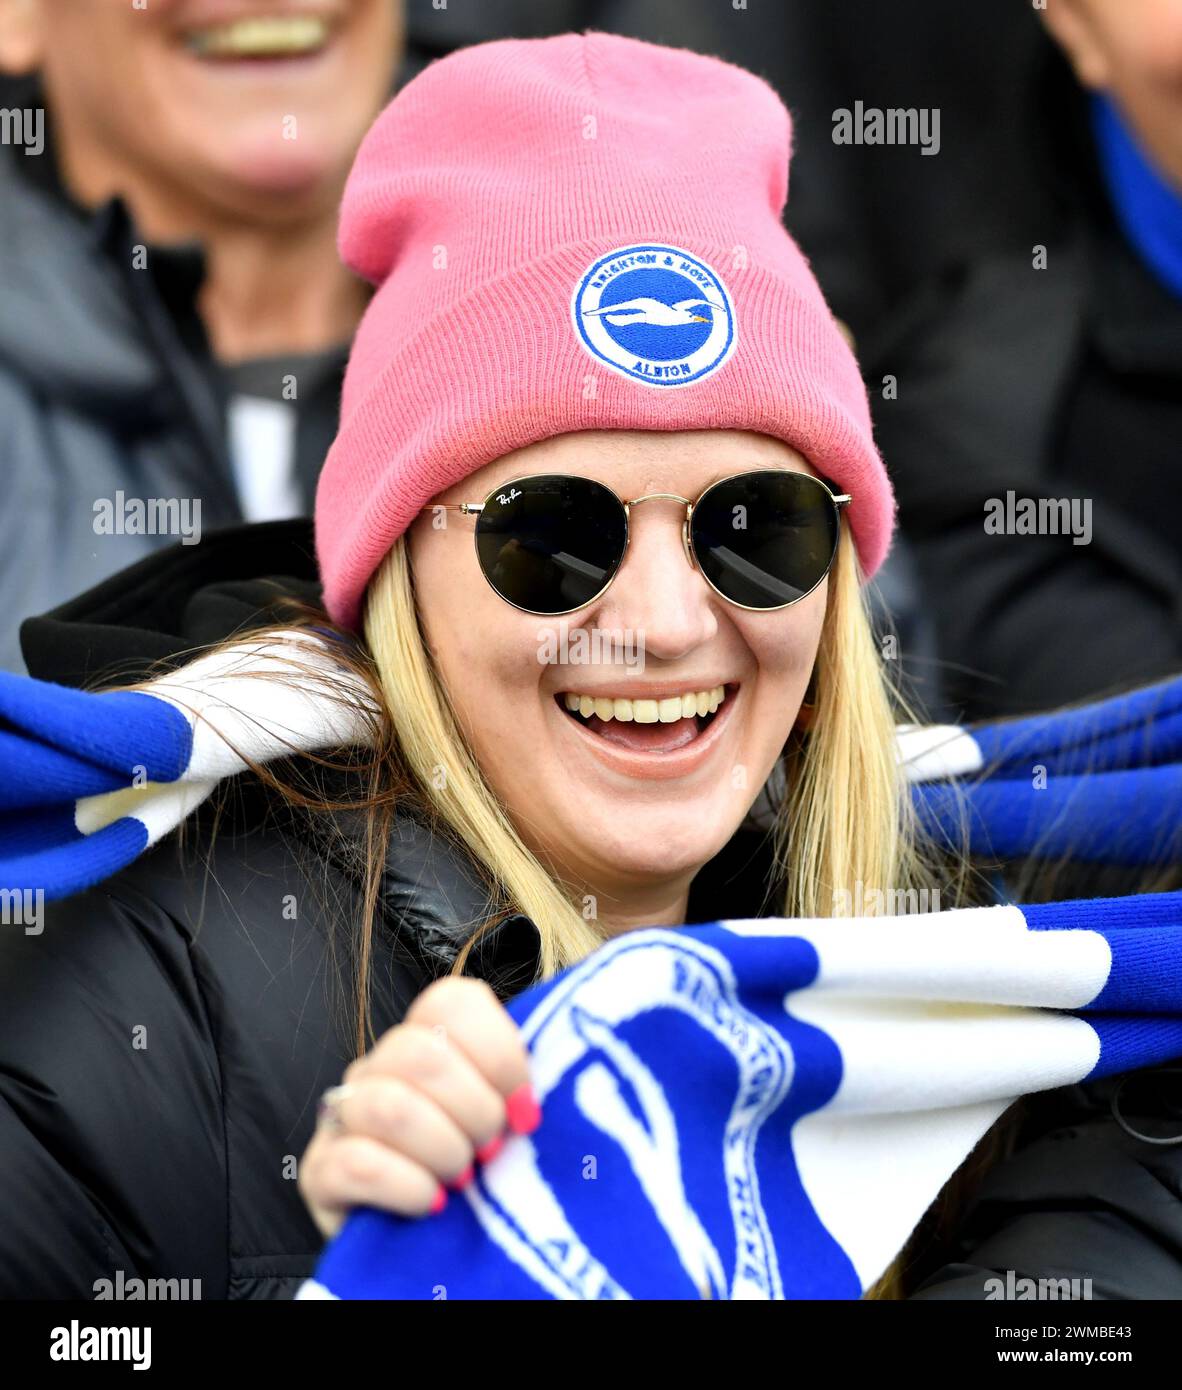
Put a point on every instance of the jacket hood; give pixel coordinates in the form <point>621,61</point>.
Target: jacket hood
<point>176,600</point>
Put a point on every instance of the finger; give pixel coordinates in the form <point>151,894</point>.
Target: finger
<point>431,1063</point>
<point>351,1170</point>
<point>404,1118</point>
<point>476,1021</point>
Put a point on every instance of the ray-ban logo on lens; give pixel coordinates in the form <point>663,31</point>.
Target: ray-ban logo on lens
<point>503,500</point>
<point>655,314</point>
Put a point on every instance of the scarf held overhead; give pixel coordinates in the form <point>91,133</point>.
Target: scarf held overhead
<point>757,1109</point>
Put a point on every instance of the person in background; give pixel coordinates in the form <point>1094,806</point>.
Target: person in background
<point>175,318</point>
<point>1053,374</point>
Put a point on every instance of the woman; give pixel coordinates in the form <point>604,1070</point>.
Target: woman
<point>597,393</point>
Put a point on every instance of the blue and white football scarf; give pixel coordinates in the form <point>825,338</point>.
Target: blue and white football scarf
<point>765,1109</point>
<point>748,1109</point>
<point>88,781</point>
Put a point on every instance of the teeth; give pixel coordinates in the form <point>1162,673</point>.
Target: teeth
<point>262,36</point>
<point>668,711</point>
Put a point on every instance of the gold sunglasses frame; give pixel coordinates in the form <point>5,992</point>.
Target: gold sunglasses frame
<point>839,500</point>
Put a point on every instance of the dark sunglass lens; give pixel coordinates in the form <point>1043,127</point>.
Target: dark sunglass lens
<point>765,539</point>
<point>550,544</point>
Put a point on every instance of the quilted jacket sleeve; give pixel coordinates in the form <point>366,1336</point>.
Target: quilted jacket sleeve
<point>104,1047</point>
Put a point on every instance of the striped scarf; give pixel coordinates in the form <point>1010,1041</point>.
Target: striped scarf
<point>744,1109</point>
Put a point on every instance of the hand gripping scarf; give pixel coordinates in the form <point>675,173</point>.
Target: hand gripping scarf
<point>744,1109</point>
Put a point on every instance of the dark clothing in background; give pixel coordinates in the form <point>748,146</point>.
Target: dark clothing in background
<point>107,385</point>
<point>1063,382</point>
<point>163,1042</point>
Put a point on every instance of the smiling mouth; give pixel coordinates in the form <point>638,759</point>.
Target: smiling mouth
<point>261,36</point>
<point>647,725</point>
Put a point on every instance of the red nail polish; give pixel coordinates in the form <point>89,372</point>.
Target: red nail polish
<point>440,1201</point>
<point>491,1149</point>
<point>522,1108</point>
<point>464,1178</point>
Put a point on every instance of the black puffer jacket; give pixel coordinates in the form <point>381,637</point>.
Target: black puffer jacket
<point>165,1038</point>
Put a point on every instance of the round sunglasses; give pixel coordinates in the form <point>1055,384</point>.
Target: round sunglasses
<point>551,543</point>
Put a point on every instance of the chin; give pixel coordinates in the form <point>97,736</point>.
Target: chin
<point>249,169</point>
<point>299,174</point>
<point>654,848</point>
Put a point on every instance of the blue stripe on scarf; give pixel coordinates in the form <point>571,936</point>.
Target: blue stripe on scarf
<point>1127,1044</point>
<point>1138,729</point>
<point>35,774</point>
<point>1144,934</point>
<point>1129,817</point>
<point>58,737</point>
<point>45,851</point>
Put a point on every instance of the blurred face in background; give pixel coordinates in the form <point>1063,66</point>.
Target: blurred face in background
<point>1131,49</point>
<point>240,109</point>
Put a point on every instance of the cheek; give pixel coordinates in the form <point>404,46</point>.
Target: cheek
<point>784,646</point>
<point>486,654</point>
<point>1146,44</point>
<point>378,32</point>
<point>102,57</point>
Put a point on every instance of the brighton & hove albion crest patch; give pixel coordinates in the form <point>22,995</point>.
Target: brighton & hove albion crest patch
<point>655,314</point>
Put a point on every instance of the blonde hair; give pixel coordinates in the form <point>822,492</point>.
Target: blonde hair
<point>845,817</point>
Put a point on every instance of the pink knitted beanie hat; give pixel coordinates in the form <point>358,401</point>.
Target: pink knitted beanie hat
<point>508,197</point>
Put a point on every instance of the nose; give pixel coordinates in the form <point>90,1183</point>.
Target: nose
<point>657,590</point>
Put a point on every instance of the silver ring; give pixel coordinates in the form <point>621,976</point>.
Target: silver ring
<point>1114,1106</point>
<point>328,1108</point>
